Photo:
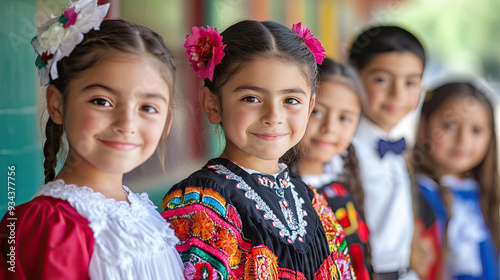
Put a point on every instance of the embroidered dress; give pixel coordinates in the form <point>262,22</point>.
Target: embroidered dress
<point>238,225</point>
<point>472,252</point>
<point>347,214</point>
<point>71,232</point>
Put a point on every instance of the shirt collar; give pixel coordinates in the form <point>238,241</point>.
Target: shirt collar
<point>370,132</point>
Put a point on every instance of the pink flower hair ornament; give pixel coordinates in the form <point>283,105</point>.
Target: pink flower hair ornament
<point>311,42</point>
<point>58,37</point>
<point>204,49</point>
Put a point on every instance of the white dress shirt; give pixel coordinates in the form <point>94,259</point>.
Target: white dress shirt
<point>388,199</point>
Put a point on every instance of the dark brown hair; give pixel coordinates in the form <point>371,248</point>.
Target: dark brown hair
<point>115,37</point>
<point>381,39</point>
<point>486,172</point>
<point>249,39</point>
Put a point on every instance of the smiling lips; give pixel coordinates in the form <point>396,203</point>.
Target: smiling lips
<point>120,145</point>
<point>393,109</point>
<point>322,144</point>
<point>270,137</point>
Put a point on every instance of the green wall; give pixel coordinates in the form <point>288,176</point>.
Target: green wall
<point>19,137</point>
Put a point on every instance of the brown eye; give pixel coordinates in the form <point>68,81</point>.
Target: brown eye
<point>149,109</point>
<point>101,102</point>
<point>251,99</point>
<point>292,101</point>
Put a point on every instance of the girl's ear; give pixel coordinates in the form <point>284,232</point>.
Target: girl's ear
<point>311,105</point>
<point>55,104</point>
<point>210,104</point>
<point>168,124</point>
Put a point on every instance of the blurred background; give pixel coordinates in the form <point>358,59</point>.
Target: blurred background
<point>460,36</point>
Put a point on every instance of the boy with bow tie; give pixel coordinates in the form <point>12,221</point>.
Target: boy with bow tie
<point>390,62</point>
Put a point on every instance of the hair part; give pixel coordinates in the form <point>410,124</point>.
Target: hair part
<point>114,38</point>
<point>486,172</point>
<point>249,39</point>
<point>382,39</point>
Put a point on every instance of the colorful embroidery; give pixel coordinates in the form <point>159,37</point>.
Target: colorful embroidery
<point>212,245</point>
<point>192,194</point>
<point>181,228</point>
<point>206,237</point>
<point>348,218</point>
<point>202,225</point>
<point>289,274</point>
<point>296,226</point>
<point>227,243</point>
<point>233,216</point>
<point>172,199</point>
<point>212,199</point>
<point>262,265</point>
<point>339,262</point>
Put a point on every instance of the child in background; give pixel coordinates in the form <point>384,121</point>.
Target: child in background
<point>110,92</point>
<point>390,62</point>
<point>242,216</point>
<point>331,126</point>
<point>455,158</point>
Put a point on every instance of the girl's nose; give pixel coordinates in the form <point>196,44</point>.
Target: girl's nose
<point>272,114</point>
<point>463,136</point>
<point>330,124</point>
<point>125,121</point>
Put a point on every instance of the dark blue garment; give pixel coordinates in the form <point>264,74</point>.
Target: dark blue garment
<point>469,239</point>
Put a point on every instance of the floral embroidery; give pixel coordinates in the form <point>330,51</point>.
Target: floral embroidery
<point>202,225</point>
<point>296,229</point>
<point>235,259</point>
<point>338,264</point>
<point>203,271</point>
<point>227,242</point>
<point>211,238</point>
<point>181,228</point>
<point>262,265</point>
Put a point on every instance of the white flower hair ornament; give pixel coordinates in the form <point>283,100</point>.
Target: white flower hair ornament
<point>58,36</point>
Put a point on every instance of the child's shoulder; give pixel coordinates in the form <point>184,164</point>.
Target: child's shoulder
<point>48,217</point>
<point>44,208</point>
<point>215,174</point>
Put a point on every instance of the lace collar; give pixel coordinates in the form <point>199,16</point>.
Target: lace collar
<point>122,231</point>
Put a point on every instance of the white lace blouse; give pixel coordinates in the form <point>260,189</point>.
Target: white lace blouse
<point>132,241</point>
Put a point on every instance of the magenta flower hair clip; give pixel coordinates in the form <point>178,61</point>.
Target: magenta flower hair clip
<point>311,42</point>
<point>204,49</point>
<point>57,37</point>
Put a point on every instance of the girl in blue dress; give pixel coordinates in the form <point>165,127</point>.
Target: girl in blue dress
<point>456,164</point>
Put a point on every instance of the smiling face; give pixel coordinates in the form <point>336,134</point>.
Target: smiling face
<point>458,134</point>
<point>392,82</point>
<point>332,123</point>
<point>115,114</point>
<point>265,108</point>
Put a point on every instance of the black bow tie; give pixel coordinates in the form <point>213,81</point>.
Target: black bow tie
<point>396,147</point>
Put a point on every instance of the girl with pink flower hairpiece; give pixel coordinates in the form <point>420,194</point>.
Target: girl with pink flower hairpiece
<point>242,216</point>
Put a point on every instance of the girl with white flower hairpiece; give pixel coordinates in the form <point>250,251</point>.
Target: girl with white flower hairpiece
<point>110,92</point>
<point>242,216</point>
